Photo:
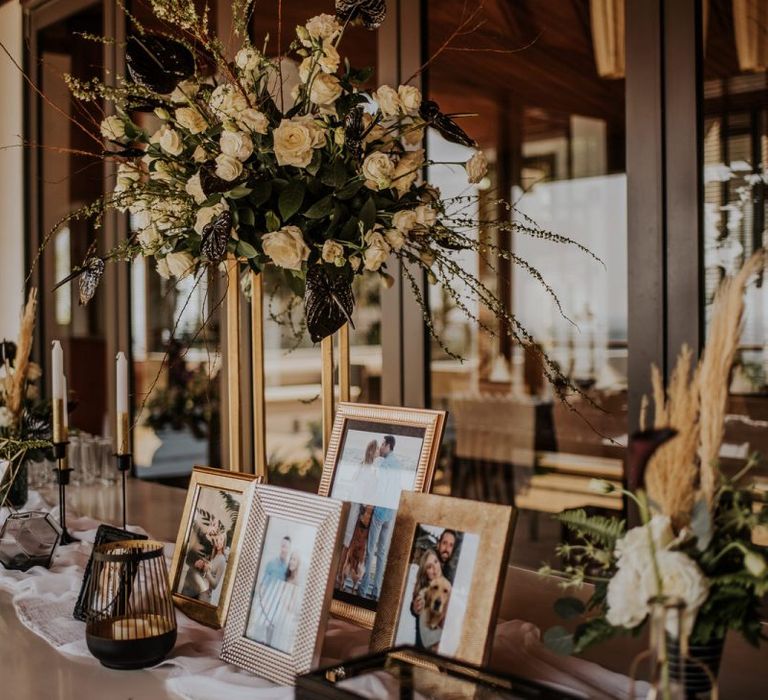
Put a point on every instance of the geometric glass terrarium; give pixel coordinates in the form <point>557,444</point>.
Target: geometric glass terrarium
<point>28,539</point>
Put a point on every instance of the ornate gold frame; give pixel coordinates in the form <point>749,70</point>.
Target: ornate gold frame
<point>327,515</point>
<point>212,616</point>
<point>495,525</point>
<point>433,423</point>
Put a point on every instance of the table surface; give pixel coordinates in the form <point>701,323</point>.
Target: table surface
<point>31,669</point>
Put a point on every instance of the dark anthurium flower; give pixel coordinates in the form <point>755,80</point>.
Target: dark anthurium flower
<point>448,129</point>
<point>216,237</point>
<point>642,445</point>
<point>157,62</point>
<point>370,13</point>
<point>328,302</point>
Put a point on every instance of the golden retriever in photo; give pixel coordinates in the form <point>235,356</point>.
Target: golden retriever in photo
<point>432,618</point>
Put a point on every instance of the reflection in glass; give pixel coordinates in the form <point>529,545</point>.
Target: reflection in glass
<point>553,131</point>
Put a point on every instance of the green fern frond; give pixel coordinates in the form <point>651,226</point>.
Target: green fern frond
<point>597,528</point>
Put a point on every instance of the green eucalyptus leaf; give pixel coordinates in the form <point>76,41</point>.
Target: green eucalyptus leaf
<point>260,193</point>
<point>368,214</point>
<point>272,221</point>
<point>317,160</point>
<point>239,192</point>
<point>350,189</point>
<point>321,208</point>
<point>297,284</point>
<point>245,250</point>
<point>569,608</point>
<point>246,216</point>
<point>290,199</point>
<point>559,640</point>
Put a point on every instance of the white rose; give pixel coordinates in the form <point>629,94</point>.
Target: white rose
<point>405,220</point>
<point>227,101</point>
<point>425,217</point>
<point>199,155</point>
<point>323,27</point>
<point>286,247</point>
<point>237,144</point>
<point>378,170</point>
<point>293,143</point>
<point>329,61</point>
<point>388,100</point>
<point>253,120</point>
<point>476,167</point>
<point>195,189</point>
<point>325,89</point>
<point>191,120</point>
<point>207,214</point>
<point>680,578</point>
<point>410,99</point>
<point>377,250</point>
<point>412,135</point>
<point>395,238</point>
<point>228,168</point>
<point>171,142</point>
<point>248,58</point>
<point>316,129</point>
<point>113,128</point>
<point>127,176</point>
<point>627,606</point>
<point>162,171</point>
<point>150,239</point>
<point>184,91</point>
<point>375,133</point>
<point>180,264</point>
<point>634,549</point>
<point>407,170</point>
<point>332,251</point>
<point>163,269</point>
<point>6,417</point>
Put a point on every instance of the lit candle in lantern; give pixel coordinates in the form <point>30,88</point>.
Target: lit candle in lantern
<point>121,407</point>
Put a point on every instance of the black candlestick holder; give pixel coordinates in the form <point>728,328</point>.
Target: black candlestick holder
<point>62,478</point>
<point>124,464</point>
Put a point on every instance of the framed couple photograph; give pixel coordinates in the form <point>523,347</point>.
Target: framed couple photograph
<point>282,584</point>
<point>208,543</point>
<point>375,453</point>
<point>442,588</point>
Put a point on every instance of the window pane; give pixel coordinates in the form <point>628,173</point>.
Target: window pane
<point>735,174</point>
<point>552,128</point>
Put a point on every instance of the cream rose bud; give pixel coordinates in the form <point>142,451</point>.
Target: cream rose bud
<point>425,216</point>
<point>395,238</point>
<point>190,119</point>
<point>330,59</point>
<point>247,58</point>
<point>332,251</point>
<point>227,101</point>
<point>407,170</point>
<point>388,100</point>
<point>323,27</point>
<point>207,214</point>
<point>378,170</point>
<point>127,175</point>
<point>162,171</point>
<point>195,189</point>
<point>199,155</point>
<point>354,262</point>
<point>113,128</point>
<point>171,142</point>
<point>405,220</point>
<point>228,168</point>
<point>293,143</point>
<point>184,91</point>
<point>286,247</point>
<point>305,69</point>
<point>180,264</point>
<point>325,89</point>
<point>236,144</point>
<point>377,251</point>
<point>410,99</point>
<point>412,135</point>
<point>162,114</point>
<point>253,120</point>
<point>150,240</point>
<point>476,167</point>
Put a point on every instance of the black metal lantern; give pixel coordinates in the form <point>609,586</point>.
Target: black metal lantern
<point>130,618</point>
<point>28,539</point>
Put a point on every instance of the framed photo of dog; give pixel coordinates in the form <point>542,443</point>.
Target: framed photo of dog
<point>283,583</point>
<point>374,454</point>
<point>208,543</point>
<point>442,588</point>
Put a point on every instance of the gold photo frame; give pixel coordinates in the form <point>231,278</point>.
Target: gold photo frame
<point>283,582</point>
<point>443,584</point>
<point>366,475</point>
<point>208,543</point>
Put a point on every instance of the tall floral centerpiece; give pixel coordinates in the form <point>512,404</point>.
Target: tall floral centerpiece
<point>25,424</point>
<point>693,550</point>
<point>289,161</point>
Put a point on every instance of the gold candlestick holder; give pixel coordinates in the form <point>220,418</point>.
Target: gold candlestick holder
<point>123,454</point>
<point>62,470</point>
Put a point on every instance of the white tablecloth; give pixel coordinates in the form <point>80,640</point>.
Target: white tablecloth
<point>44,599</point>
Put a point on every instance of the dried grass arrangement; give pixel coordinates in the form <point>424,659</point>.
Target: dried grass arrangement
<point>685,469</point>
